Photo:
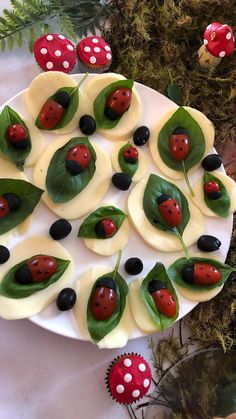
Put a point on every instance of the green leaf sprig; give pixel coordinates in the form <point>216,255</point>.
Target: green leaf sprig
<point>128,168</point>
<point>221,206</point>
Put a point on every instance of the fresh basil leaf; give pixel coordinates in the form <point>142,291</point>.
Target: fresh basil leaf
<point>174,272</point>
<point>29,195</point>
<point>128,168</point>
<point>97,328</point>
<point>69,112</point>
<point>99,105</point>
<point>175,93</point>
<point>87,228</point>
<point>9,117</point>
<point>156,186</point>
<point>61,185</point>
<point>182,118</point>
<point>158,273</point>
<point>11,289</point>
<point>219,206</point>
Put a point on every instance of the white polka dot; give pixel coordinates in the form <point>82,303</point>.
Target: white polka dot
<point>108,56</point>
<point>92,60</point>
<point>96,49</point>
<point>66,64</point>
<point>205,41</point>
<point>209,27</point>
<point>61,37</point>
<point>49,37</point>
<point>58,53</point>
<point>228,35</point>
<point>128,378</point>
<point>120,389</point>
<point>135,393</point>
<point>49,65</point>
<point>95,40</point>
<point>142,367</point>
<point>146,383</point>
<point>70,47</point>
<point>43,51</point>
<point>127,362</point>
<point>107,48</point>
<point>222,54</point>
<point>87,49</point>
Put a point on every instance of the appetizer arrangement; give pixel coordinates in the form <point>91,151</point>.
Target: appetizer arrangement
<point>101,198</point>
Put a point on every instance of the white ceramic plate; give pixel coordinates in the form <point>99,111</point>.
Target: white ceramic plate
<point>155,106</point>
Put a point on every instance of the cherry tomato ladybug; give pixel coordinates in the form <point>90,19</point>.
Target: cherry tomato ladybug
<point>179,144</point>
<point>17,136</point>
<point>118,102</point>
<point>42,267</point>
<point>163,299</point>
<point>130,155</point>
<point>9,202</point>
<point>4,207</point>
<point>50,114</point>
<point>201,274</point>
<point>78,158</point>
<point>106,228</point>
<point>103,301</point>
<point>170,210</point>
<point>211,186</point>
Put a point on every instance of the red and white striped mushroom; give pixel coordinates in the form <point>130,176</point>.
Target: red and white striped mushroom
<point>218,42</point>
<point>54,52</point>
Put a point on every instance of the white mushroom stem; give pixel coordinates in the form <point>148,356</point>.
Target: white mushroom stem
<point>206,59</point>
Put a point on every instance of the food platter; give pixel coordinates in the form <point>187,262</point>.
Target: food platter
<point>155,107</point>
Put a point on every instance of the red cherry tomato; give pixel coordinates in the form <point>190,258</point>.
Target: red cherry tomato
<point>164,302</point>
<point>16,133</point>
<point>130,155</point>
<point>171,212</point>
<point>50,114</point>
<point>81,154</point>
<point>4,207</point>
<point>42,267</point>
<point>179,146</point>
<point>205,274</point>
<point>103,303</point>
<point>119,100</point>
<point>211,186</point>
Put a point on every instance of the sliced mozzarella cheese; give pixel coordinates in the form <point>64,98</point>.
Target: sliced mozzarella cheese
<point>199,296</point>
<point>89,197</point>
<point>11,308</point>
<point>108,247</point>
<point>43,87</point>
<point>229,184</point>
<point>37,143</point>
<point>128,121</point>
<point>118,337</point>
<point>161,240</point>
<point>139,310</point>
<point>207,129</point>
<point>142,161</point>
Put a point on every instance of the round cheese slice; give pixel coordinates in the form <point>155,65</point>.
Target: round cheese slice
<point>207,129</point>
<point>142,161</point>
<point>129,120</point>
<point>37,143</point>
<point>89,197</point>
<point>158,239</point>
<point>198,296</point>
<point>119,336</point>
<point>229,184</point>
<point>12,308</point>
<point>139,310</point>
<point>43,87</point>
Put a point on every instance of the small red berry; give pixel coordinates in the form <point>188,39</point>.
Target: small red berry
<point>50,114</point>
<point>78,158</point>
<point>16,133</point>
<point>170,210</point>
<point>206,274</point>
<point>118,102</point>
<point>106,228</point>
<point>4,207</point>
<point>42,267</point>
<point>130,155</point>
<point>211,186</point>
<point>179,144</point>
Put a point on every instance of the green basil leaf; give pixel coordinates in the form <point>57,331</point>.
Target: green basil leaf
<point>9,117</point>
<point>158,273</point>
<point>11,289</point>
<point>128,168</point>
<point>87,228</point>
<point>174,272</point>
<point>219,206</point>
<point>97,328</point>
<point>29,195</point>
<point>157,186</point>
<point>99,105</point>
<point>69,112</point>
<point>175,93</point>
<point>182,118</point>
<point>61,185</point>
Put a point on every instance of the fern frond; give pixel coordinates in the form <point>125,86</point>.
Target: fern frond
<point>67,27</point>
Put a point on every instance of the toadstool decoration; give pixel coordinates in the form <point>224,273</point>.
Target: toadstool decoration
<point>218,42</point>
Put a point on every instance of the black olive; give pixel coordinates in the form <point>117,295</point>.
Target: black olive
<point>112,114</point>
<point>163,198</point>
<point>121,181</point>
<point>13,201</point>
<point>66,299</point>
<point>60,229</point>
<point>73,167</point>
<point>63,98</point>
<point>214,195</point>
<point>21,144</point>
<point>100,230</point>
<point>179,130</point>
<point>188,274</point>
<point>4,254</point>
<point>208,243</point>
<point>156,285</point>
<point>87,125</point>
<point>211,162</point>
<point>141,135</point>
<point>133,266</point>
<point>23,275</point>
<point>106,282</point>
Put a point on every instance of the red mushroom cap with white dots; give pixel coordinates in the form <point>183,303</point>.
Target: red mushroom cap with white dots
<point>129,378</point>
<point>219,39</point>
<point>93,50</point>
<point>55,52</point>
